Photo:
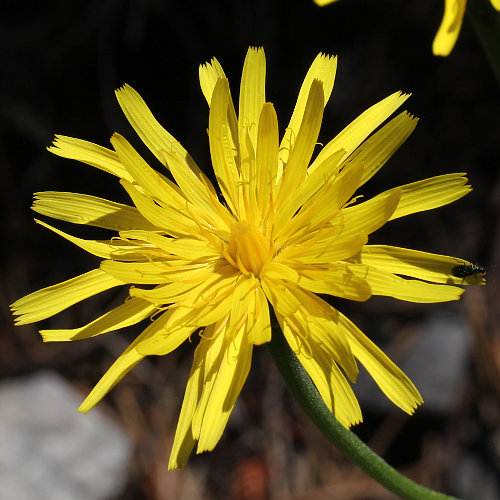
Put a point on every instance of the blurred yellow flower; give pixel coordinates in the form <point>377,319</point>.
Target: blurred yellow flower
<point>447,34</point>
<point>450,25</point>
<point>322,3</point>
<point>289,228</point>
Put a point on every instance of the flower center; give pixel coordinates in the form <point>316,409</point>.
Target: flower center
<point>248,248</point>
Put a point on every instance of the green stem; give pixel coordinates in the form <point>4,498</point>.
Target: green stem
<point>486,21</point>
<point>347,442</point>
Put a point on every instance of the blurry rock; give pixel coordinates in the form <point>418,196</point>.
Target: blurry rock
<point>475,479</point>
<point>49,451</point>
<point>436,364</point>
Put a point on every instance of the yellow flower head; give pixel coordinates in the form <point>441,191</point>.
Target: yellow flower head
<point>289,227</point>
<point>447,34</point>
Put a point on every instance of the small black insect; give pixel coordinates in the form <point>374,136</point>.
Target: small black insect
<point>465,270</point>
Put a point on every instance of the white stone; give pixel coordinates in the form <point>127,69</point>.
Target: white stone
<point>49,451</point>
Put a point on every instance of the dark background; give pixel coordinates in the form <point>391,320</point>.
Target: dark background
<point>61,62</point>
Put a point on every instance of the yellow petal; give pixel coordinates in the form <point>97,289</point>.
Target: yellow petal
<point>53,299</point>
<point>326,376</point>
<point>321,212</point>
<point>212,345</point>
<point>151,182</point>
<point>339,282</point>
<point>206,314</point>
<point>423,265</point>
<point>223,147</point>
<point>127,360</point>
<point>127,314</point>
<point>186,248</point>
<point>430,193</point>
<point>258,322</point>
<point>378,148</point>
<point>393,382</point>
<point>390,285</point>
<point>252,97</point>
<point>449,29</point>
<point>156,138</point>
<point>205,304</point>
<point>325,175</point>
<point>199,193</point>
<point>358,130</point>
<point>103,249</point>
<point>163,294</point>
<point>322,3</point>
<point>302,146</point>
<point>283,301</point>
<point>228,370</point>
<point>219,369</point>
<point>86,209</point>
<point>323,68</point>
<point>496,4</point>
<point>325,251</point>
<point>184,439</point>
<point>116,372</point>
<point>312,319</point>
<point>137,272</point>
<point>250,310</point>
<point>165,338</point>
<point>370,215</point>
<point>266,158</point>
<point>240,302</point>
<point>90,153</point>
<point>209,74</point>
<point>185,271</point>
<point>165,219</point>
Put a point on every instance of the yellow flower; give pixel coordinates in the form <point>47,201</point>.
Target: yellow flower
<point>450,25</point>
<point>447,34</point>
<point>322,3</point>
<point>289,228</point>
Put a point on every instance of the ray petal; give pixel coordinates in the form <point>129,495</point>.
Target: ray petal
<point>303,145</point>
<point>90,153</point>
<point>416,264</point>
<point>184,439</point>
<point>166,219</point>
<point>230,375</point>
<point>393,382</point>
<point>323,68</point>
<point>156,138</point>
<point>378,148</point>
<point>252,96</point>
<point>127,314</point>
<point>223,148</point>
<point>104,249</point>
<point>186,248</point>
<point>326,376</point>
<point>313,320</point>
<point>53,299</point>
<point>358,130</point>
<point>449,29</point>
<point>430,193</point>
<point>155,185</point>
<point>209,73</point>
<point>266,160</point>
<point>164,338</point>
<point>370,215</point>
<point>125,362</point>
<point>390,285</point>
<point>91,210</point>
